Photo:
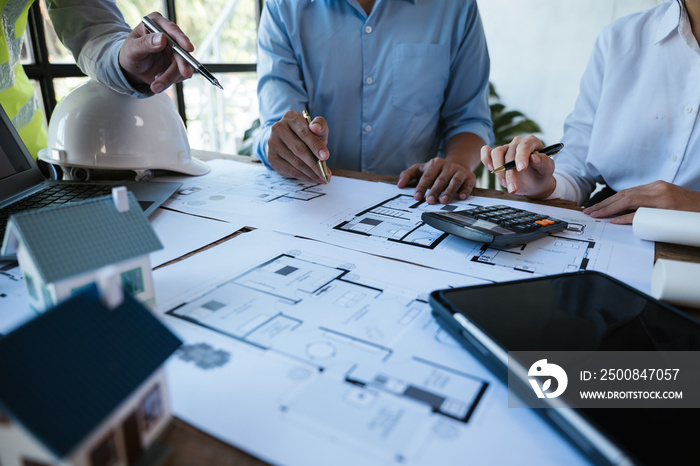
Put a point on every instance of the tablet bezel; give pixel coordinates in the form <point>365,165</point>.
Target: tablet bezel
<point>573,424</point>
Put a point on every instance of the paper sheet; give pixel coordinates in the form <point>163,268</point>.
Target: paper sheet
<point>381,219</point>
<point>182,234</point>
<point>676,282</point>
<point>303,353</point>
<point>260,198</point>
<point>668,226</point>
<point>392,227</point>
<point>14,307</point>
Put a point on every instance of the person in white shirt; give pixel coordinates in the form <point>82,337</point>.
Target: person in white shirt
<point>634,126</point>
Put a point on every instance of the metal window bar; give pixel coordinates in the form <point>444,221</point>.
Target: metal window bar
<point>43,71</point>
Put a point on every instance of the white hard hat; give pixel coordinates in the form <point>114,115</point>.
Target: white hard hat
<point>94,127</point>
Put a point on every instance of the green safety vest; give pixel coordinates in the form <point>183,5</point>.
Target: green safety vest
<point>16,90</point>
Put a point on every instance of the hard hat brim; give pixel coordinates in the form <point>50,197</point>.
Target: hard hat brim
<point>194,167</point>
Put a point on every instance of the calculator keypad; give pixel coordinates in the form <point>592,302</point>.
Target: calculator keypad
<point>517,220</point>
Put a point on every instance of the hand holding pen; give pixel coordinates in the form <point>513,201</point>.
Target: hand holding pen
<point>321,163</point>
<point>146,59</point>
<point>529,168</point>
<point>154,28</point>
<point>297,147</point>
<point>549,151</point>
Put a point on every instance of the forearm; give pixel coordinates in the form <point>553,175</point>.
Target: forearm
<point>94,33</point>
<point>464,149</point>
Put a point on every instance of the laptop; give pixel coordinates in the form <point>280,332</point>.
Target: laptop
<point>23,187</point>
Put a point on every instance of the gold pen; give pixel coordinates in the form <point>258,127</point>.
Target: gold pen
<point>321,163</point>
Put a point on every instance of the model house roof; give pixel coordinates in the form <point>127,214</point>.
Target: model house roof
<point>67,370</point>
<point>75,238</point>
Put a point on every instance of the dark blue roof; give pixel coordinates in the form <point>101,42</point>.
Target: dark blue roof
<point>65,371</point>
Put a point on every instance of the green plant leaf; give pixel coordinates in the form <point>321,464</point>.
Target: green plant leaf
<point>506,126</point>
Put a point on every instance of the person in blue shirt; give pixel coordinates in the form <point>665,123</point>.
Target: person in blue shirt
<point>395,87</point>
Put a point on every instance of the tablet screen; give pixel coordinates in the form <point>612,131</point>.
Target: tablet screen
<point>592,312</point>
<point>577,312</point>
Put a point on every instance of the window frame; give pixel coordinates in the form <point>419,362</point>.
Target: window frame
<point>45,72</point>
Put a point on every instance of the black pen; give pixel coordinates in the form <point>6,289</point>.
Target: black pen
<point>548,151</point>
<point>321,163</point>
<point>152,27</point>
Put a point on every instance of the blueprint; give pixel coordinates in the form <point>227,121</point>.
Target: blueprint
<point>381,219</point>
<point>182,234</point>
<point>246,192</point>
<point>14,307</point>
<point>393,228</point>
<point>305,353</point>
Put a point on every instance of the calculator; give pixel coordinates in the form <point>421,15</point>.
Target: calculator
<point>497,224</point>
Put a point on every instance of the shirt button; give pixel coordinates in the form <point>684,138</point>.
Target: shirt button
<point>674,157</point>
<point>369,80</point>
<point>368,128</point>
<point>368,29</point>
<point>689,109</point>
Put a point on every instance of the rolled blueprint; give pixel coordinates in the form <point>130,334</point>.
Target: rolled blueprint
<point>676,282</point>
<point>667,226</point>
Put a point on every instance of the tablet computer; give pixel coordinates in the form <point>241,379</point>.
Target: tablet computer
<point>578,312</point>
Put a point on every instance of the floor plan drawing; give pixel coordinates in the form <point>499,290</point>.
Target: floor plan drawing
<point>14,307</point>
<point>260,188</point>
<point>564,254</point>
<point>333,351</point>
<point>235,192</point>
<point>393,228</point>
<point>397,220</point>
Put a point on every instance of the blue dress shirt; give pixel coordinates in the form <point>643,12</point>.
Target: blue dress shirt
<point>393,86</point>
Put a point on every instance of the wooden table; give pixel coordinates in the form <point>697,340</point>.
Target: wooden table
<point>192,447</point>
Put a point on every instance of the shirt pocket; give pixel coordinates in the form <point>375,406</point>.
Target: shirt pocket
<point>419,75</point>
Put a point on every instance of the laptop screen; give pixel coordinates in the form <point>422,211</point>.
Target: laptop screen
<point>12,161</point>
<point>18,171</point>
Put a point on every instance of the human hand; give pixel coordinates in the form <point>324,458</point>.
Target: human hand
<point>295,147</point>
<point>532,176</point>
<point>658,194</point>
<point>445,181</point>
<point>146,58</point>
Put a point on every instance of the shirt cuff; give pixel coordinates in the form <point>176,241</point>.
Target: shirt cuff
<point>114,76</point>
<point>566,188</point>
<point>260,145</point>
<point>484,131</point>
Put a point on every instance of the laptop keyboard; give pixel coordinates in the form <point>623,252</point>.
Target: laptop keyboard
<point>56,194</point>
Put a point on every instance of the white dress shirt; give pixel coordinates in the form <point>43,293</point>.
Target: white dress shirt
<point>636,117</point>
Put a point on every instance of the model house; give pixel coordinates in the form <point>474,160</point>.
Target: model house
<point>83,384</point>
<point>59,249</point>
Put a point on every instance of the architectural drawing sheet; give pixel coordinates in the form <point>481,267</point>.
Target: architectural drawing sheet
<point>182,234</point>
<point>303,353</point>
<point>14,307</point>
<point>381,219</point>
<point>392,227</point>
<point>235,192</point>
